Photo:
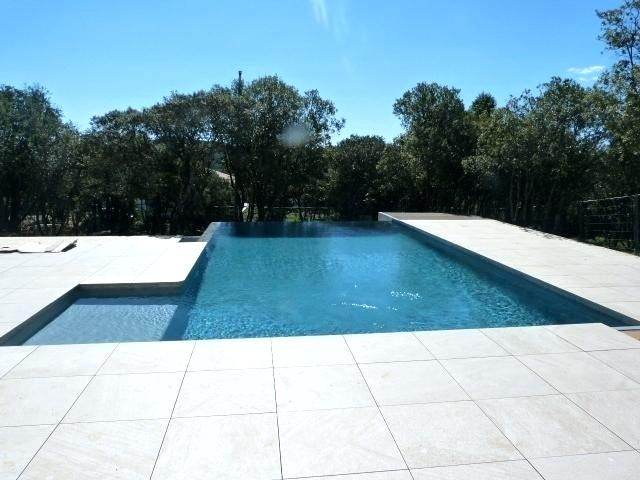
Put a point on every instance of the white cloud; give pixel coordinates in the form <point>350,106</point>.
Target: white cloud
<point>320,12</point>
<point>593,69</point>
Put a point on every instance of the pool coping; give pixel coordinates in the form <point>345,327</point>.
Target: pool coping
<point>454,248</point>
<point>32,324</point>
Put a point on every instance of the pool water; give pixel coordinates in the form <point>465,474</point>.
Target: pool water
<point>279,279</point>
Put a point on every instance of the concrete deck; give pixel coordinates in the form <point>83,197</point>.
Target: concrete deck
<point>518,403</point>
<point>603,277</point>
<point>29,282</point>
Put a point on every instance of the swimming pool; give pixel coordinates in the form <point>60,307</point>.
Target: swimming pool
<point>280,279</point>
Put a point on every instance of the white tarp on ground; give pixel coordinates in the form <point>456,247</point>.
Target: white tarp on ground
<point>54,246</point>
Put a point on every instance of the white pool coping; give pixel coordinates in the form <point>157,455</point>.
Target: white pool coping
<point>32,282</point>
<point>601,277</point>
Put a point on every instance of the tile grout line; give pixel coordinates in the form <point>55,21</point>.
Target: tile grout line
<point>175,402</point>
<point>4,375</point>
<point>560,393</point>
<point>275,399</point>
<point>478,406</point>
<point>66,413</point>
<point>612,368</point>
<point>375,401</point>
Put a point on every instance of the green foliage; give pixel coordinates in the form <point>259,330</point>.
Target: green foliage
<point>353,176</point>
<point>159,170</point>
<point>438,136</point>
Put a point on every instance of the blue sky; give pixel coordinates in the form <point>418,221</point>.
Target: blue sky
<point>96,56</point>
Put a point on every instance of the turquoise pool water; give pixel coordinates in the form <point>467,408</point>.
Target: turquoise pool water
<point>277,279</point>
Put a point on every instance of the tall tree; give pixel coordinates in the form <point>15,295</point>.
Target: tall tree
<point>353,176</point>
<point>438,136</point>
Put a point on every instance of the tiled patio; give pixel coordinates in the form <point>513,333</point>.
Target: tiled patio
<point>517,403</point>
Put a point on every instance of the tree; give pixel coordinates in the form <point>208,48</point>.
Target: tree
<point>271,139</point>
<point>36,151</point>
<point>439,138</point>
<point>484,104</point>
<point>621,34</point>
<point>353,176</point>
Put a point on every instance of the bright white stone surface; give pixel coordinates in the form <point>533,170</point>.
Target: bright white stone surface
<point>18,445</point>
<point>618,411</point>
<point>114,450</point>
<point>332,442</point>
<point>366,420</point>
<point>397,383</point>
<point>451,433</point>
<point>594,336</point>
<point>126,397</point>
<point>577,372</point>
<point>528,340</point>
<point>496,377</point>
<point>231,354</point>
<point>227,447</point>
<point>601,466</point>
<point>62,361</point>
<point>226,392</point>
<point>386,347</point>
<point>310,351</point>
<point>550,426</point>
<point>626,362</point>
<point>149,357</point>
<point>38,401</point>
<point>460,344</point>
<point>321,387</point>
<point>513,470</point>
<point>30,282</point>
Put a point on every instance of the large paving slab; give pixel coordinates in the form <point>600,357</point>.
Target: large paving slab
<point>30,282</point>
<point>601,276</point>
<point>365,407</point>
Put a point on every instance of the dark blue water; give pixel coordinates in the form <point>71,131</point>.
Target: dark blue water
<point>277,279</point>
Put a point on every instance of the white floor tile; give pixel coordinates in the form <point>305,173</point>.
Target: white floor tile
<point>63,360</point>
<point>231,354</point>
<point>411,382</point>
<point>594,336</point>
<point>11,356</point>
<point>550,426</point>
<point>332,442</point>
<point>149,357</point>
<point>38,401</point>
<point>226,392</point>
<point>529,340</point>
<point>618,411</point>
<point>514,470</point>
<point>126,397</point>
<point>386,347</point>
<point>460,344</point>
<point>626,362</point>
<point>442,434</point>
<point>114,450</point>
<point>322,387</point>
<point>228,447</point>
<point>310,351</point>
<point>601,466</point>
<point>496,377</point>
<point>18,445</point>
<point>577,372</point>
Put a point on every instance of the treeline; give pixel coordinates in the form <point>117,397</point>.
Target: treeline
<point>264,149</point>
